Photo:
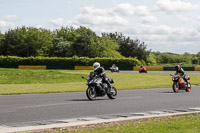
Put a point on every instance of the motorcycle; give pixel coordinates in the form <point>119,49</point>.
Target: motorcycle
<point>96,87</point>
<point>114,69</point>
<point>142,70</point>
<point>180,84</point>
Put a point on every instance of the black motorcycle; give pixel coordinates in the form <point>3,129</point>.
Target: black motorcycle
<point>96,87</point>
<point>114,69</point>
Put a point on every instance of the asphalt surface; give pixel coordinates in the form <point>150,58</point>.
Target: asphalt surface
<point>151,72</point>
<point>161,72</point>
<point>15,109</point>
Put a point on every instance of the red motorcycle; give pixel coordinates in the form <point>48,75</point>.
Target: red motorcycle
<point>142,70</point>
<point>180,84</point>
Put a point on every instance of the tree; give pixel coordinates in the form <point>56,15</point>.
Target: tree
<point>107,47</point>
<point>61,48</point>
<point>27,42</point>
<point>9,43</point>
<point>90,45</point>
<point>67,34</point>
<point>151,59</point>
<point>1,40</point>
<point>129,47</point>
<point>198,57</point>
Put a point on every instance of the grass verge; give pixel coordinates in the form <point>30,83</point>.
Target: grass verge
<point>17,81</point>
<point>172,124</point>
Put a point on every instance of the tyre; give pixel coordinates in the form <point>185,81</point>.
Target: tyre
<point>113,95</point>
<point>91,93</point>
<point>175,87</point>
<point>188,89</point>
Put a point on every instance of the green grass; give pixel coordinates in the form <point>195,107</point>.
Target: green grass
<point>178,124</point>
<point>19,76</point>
<point>18,81</point>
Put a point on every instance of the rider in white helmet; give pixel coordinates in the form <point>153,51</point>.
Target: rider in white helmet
<point>98,70</point>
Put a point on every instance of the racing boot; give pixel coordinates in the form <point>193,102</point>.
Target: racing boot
<point>186,81</point>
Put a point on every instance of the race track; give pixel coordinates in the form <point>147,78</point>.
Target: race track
<point>161,72</point>
<point>17,109</point>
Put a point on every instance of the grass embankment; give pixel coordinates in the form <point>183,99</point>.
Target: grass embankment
<point>18,81</point>
<point>175,124</point>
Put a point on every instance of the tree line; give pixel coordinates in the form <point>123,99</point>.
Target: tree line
<point>82,42</point>
<point>68,42</point>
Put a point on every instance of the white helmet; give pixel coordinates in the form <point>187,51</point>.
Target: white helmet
<point>96,65</point>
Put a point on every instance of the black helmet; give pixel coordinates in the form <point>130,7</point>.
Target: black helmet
<point>177,67</point>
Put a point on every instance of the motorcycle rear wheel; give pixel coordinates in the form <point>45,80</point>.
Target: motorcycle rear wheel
<point>91,93</point>
<point>114,94</point>
<point>175,87</point>
<point>188,89</point>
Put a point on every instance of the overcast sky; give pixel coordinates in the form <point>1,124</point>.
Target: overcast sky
<point>164,25</point>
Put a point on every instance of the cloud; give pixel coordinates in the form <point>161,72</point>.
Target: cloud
<point>39,26</point>
<point>142,11</point>
<point>100,20</point>
<point>5,24</point>
<point>8,22</point>
<point>148,19</point>
<point>128,9</point>
<point>57,22</point>
<point>183,18</point>
<point>10,18</point>
<point>96,17</point>
<point>172,6</point>
<point>91,10</point>
<point>124,9</point>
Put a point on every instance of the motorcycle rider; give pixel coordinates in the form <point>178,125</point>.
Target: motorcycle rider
<point>114,66</point>
<point>99,71</point>
<point>180,71</point>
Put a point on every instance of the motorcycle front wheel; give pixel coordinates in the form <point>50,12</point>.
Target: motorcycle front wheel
<point>91,93</point>
<point>175,87</point>
<point>188,89</point>
<point>112,95</point>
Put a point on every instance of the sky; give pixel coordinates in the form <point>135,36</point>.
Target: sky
<point>163,25</point>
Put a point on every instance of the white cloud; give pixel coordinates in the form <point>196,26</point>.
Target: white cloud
<point>57,22</point>
<point>145,29</point>
<point>100,20</point>
<point>148,19</point>
<point>11,18</point>
<point>96,17</point>
<point>128,9</point>
<point>95,11</point>
<point>39,26</point>
<point>142,11</point>
<point>124,9</point>
<point>8,22</point>
<point>182,18</point>
<point>4,24</point>
<point>176,6</point>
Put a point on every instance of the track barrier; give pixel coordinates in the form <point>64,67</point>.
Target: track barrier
<point>31,67</point>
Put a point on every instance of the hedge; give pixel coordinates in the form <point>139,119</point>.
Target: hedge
<point>70,62</point>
